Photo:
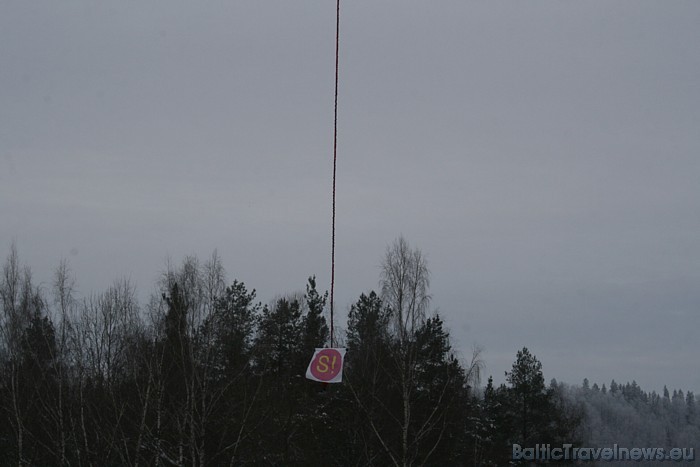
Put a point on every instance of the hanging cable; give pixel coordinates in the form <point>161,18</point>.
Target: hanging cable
<point>335,158</point>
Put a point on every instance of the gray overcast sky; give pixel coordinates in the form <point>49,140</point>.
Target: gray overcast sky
<point>543,154</point>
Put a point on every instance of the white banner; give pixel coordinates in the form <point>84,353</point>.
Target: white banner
<point>326,365</point>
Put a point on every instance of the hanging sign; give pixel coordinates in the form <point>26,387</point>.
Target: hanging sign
<point>326,365</point>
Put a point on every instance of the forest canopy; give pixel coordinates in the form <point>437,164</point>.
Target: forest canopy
<point>206,374</point>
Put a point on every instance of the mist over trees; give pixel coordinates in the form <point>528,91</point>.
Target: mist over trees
<point>206,374</point>
<point>631,417</point>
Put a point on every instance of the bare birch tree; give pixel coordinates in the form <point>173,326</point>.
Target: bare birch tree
<point>27,349</point>
<point>430,382</point>
<point>64,286</point>
<point>405,280</point>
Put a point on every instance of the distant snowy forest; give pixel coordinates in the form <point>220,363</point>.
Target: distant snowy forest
<point>205,374</point>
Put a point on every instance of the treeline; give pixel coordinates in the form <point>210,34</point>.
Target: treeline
<point>626,415</point>
<point>205,374</point>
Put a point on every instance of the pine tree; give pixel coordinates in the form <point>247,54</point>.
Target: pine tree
<point>691,410</point>
<point>314,323</point>
<point>528,392</point>
<point>281,363</point>
<point>233,325</point>
<point>371,381</point>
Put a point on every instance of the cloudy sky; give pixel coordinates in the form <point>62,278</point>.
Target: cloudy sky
<point>544,155</point>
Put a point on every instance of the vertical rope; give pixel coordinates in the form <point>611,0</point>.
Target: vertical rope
<point>335,158</point>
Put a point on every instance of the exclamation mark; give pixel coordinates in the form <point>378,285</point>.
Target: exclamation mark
<point>333,363</point>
